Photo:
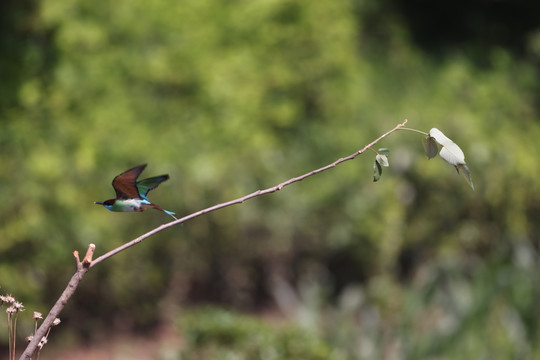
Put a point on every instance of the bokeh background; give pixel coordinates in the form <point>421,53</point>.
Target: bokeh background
<point>233,96</point>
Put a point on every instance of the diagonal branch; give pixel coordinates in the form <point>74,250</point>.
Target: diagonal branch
<point>242,199</point>
<point>82,269</point>
<point>87,263</point>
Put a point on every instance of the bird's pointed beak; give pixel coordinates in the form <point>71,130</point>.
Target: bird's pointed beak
<point>98,202</point>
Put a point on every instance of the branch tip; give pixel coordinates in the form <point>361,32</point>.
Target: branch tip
<point>87,261</point>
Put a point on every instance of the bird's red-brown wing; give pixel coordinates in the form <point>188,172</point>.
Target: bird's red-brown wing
<point>125,184</point>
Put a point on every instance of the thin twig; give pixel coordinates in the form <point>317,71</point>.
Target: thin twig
<point>242,199</point>
<point>15,333</point>
<point>87,263</point>
<point>415,130</point>
<point>11,336</point>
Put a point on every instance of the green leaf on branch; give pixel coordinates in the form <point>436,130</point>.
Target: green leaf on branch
<point>377,171</point>
<point>451,153</point>
<point>430,147</point>
<point>382,160</point>
<point>464,170</point>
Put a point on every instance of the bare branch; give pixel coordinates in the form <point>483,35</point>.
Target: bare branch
<point>242,199</point>
<point>58,307</point>
<point>87,263</point>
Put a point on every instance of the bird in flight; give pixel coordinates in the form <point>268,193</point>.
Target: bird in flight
<point>131,194</point>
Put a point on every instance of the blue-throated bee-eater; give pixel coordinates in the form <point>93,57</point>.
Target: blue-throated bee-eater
<point>131,194</point>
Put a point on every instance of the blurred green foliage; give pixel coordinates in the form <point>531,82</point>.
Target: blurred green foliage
<point>212,333</point>
<point>230,97</point>
<point>455,308</point>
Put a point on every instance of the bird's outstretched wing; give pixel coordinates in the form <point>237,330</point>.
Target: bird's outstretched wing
<point>144,186</point>
<point>125,184</point>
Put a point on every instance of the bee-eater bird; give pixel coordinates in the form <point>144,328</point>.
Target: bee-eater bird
<point>131,194</point>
